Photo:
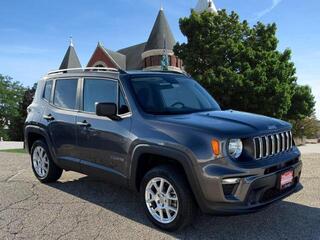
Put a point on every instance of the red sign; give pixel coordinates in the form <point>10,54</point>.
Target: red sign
<point>286,179</point>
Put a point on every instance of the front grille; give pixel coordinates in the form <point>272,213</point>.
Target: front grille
<point>270,145</point>
<point>281,166</point>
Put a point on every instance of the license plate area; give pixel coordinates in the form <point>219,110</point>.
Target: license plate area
<point>286,179</point>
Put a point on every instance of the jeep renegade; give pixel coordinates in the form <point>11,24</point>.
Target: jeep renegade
<point>163,135</point>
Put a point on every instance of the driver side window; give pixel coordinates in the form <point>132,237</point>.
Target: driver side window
<point>103,91</point>
<point>98,91</point>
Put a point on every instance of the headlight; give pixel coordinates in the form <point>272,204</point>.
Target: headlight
<point>235,148</point>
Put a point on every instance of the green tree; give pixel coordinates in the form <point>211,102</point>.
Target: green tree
<point>241,66</point>
<point>302,103</point>
<point>308,127</point>
<point>11,93</point>
<point>15,131</point>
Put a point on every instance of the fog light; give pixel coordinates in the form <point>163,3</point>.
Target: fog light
<point>229,186</point>
<point>230,181</point>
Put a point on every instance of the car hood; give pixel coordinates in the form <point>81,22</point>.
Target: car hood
<point>228,123</point>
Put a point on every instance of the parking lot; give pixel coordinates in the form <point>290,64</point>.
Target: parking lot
<point>81,207</point>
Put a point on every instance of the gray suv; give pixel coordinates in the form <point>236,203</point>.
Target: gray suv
<point>163,135</point>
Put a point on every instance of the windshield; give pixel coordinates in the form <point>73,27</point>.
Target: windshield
<point>171,94</point>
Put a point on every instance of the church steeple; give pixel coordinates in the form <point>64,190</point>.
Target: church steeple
<point>160,32</point>
<point>70,59</point>
<point>205,5</point>
<point>158,51</point>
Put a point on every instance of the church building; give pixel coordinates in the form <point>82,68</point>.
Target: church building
<point>148,55</point>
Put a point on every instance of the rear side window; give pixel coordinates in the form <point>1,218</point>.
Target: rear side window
<point>98,91</point>
<point>65,93</point>
<point>47,90</point>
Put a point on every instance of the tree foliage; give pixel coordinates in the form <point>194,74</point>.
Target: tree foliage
<point>11,93</point>
<point>308,127</point>
<point>302,103</point>
<point>16,127</point>
<point>241,66</point>
<point>14,100</point>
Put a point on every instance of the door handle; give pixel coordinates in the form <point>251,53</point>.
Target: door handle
<point>84,124</point>
<point>48,117</point>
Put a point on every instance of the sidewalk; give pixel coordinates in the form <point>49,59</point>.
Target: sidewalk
<point>11,145</point>
<point>310,148</point>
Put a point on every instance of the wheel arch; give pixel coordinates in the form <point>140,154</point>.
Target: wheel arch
<point>34,133</point>
<point>162,155</point>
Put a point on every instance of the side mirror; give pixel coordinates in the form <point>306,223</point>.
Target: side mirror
<point>107,110</point>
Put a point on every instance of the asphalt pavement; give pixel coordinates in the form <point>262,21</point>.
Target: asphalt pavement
<point>81,207</point>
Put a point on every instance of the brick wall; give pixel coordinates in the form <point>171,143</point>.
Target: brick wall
<point>100,55</point>
<point>156,61</point>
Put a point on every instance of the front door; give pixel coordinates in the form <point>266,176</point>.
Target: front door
<point>103,143</point>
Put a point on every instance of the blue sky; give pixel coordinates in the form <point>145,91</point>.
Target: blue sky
<point>34,34</point>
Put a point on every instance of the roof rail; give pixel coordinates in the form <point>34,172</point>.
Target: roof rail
<point>97,69</point>
<point>168,71</point>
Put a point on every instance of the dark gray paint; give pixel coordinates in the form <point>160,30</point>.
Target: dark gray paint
<point>112,148</point>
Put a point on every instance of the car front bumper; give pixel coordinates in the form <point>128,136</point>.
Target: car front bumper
<point>252,193</point>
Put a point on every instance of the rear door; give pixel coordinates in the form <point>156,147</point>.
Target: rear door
<point>61,121</point>
<point>103,143</point>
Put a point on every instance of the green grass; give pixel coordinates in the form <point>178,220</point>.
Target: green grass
<point>14,151</point>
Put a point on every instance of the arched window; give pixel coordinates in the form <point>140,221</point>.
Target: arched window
<point>100,64</point>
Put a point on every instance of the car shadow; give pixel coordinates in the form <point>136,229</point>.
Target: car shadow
<point>282,220</point>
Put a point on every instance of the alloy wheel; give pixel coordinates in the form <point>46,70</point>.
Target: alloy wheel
<point>40,162</point>
<point>161,200</point>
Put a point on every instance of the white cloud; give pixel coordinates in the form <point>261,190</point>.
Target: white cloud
<point>275,3</point>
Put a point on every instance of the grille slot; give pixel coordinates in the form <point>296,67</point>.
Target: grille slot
<point>270,145</point>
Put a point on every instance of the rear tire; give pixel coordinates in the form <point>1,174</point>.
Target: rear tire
<point>167,199</point>
<point>42,164</point>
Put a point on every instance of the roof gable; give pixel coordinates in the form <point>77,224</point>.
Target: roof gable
<point>110,58</point>
<point>119,58</point>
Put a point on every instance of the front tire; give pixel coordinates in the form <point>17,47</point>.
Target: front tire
<point>167,199</point>
<point>42,164</point>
